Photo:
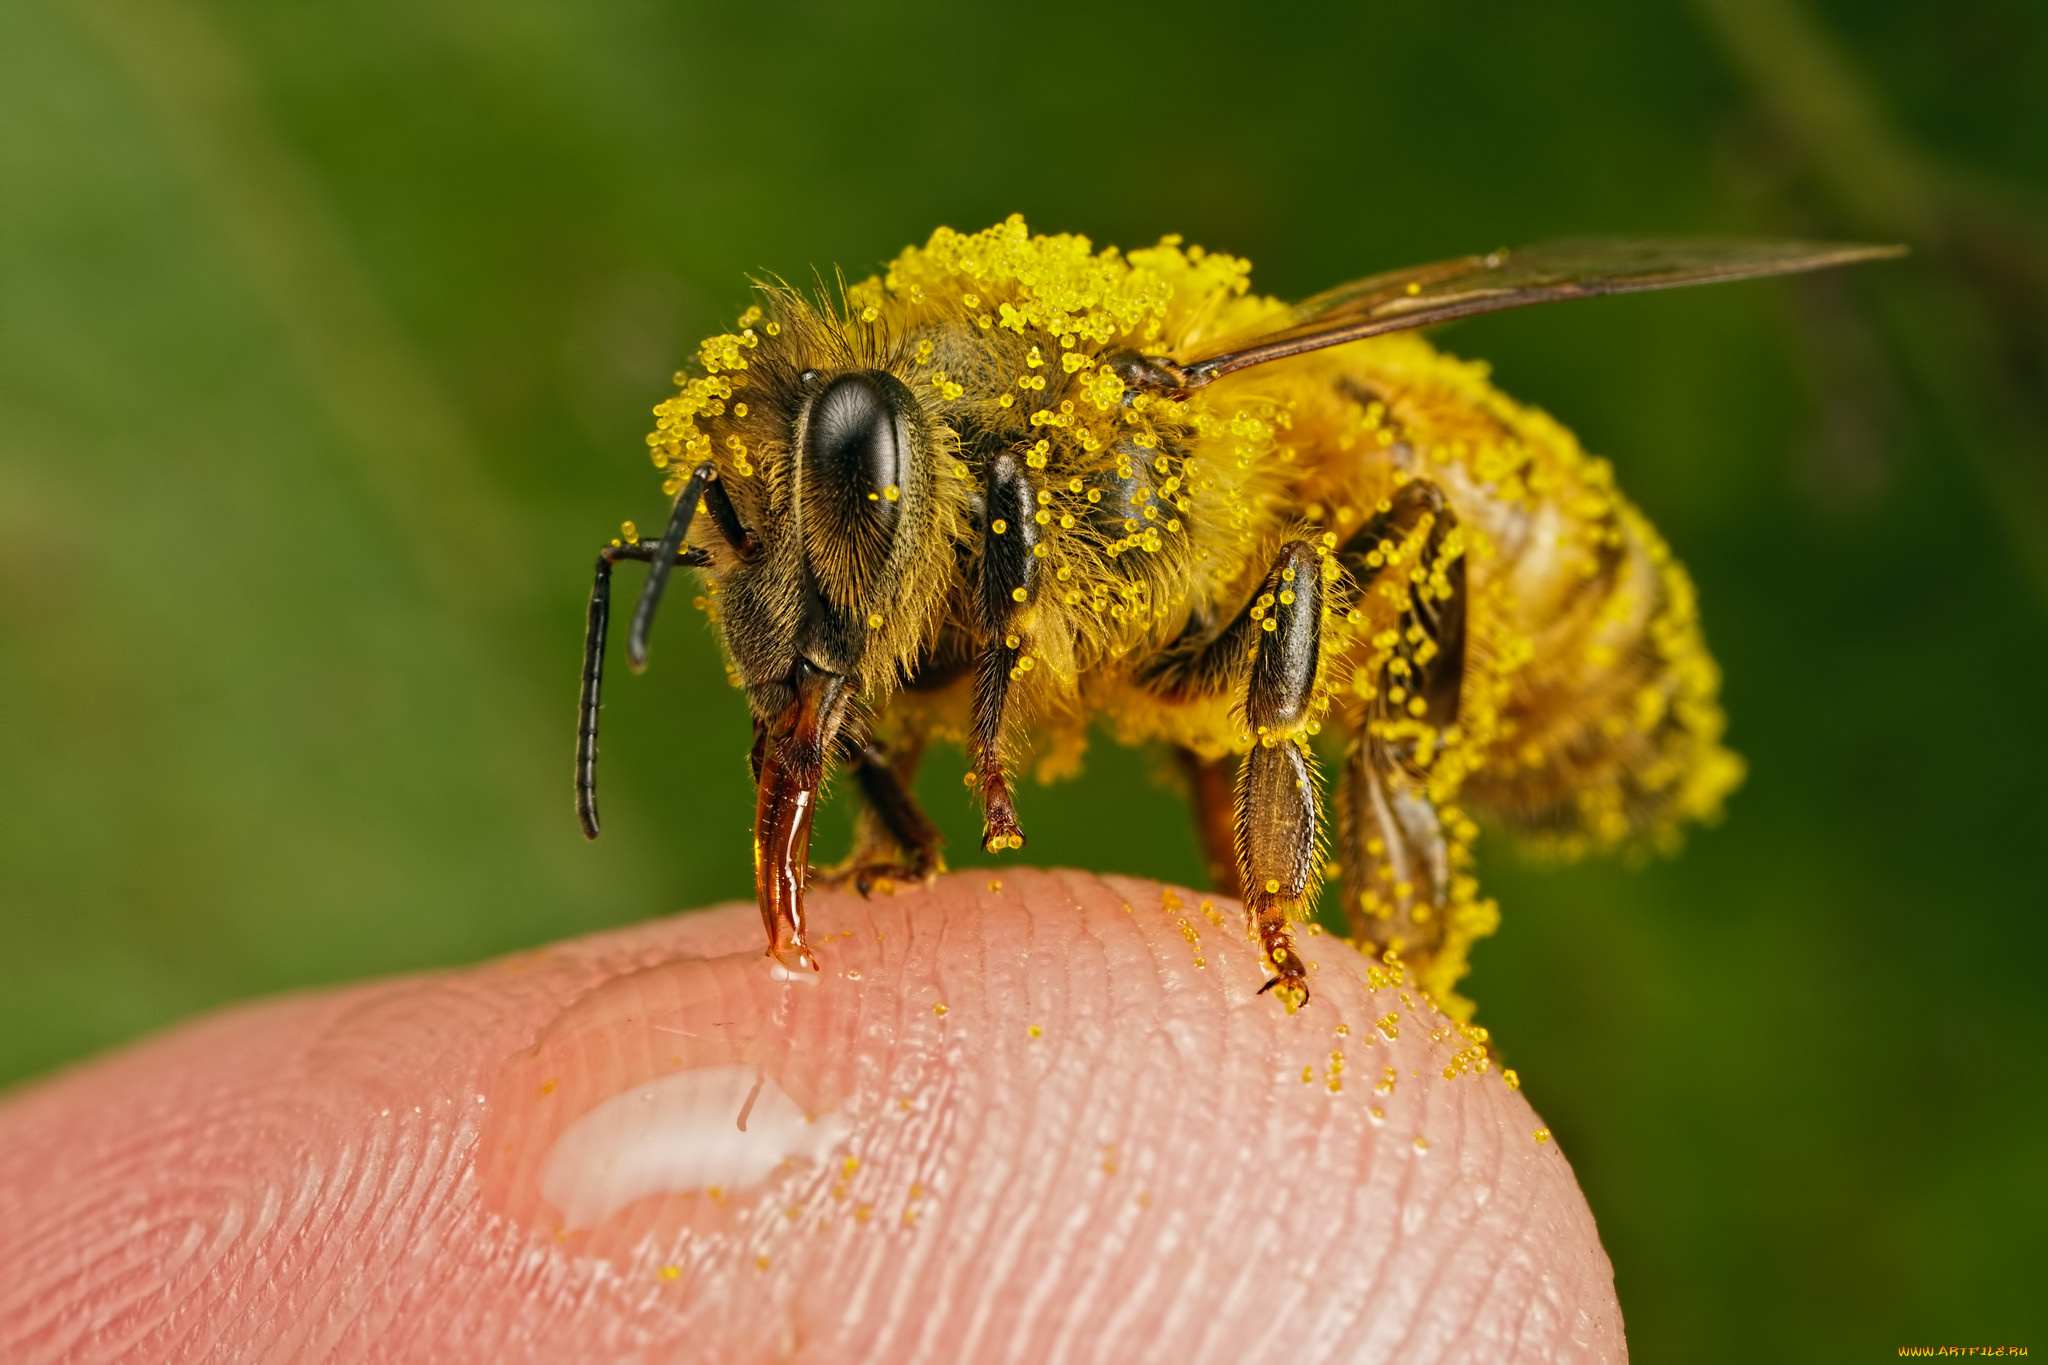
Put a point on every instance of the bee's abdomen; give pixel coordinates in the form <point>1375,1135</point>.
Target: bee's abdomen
<point>1610,726</point>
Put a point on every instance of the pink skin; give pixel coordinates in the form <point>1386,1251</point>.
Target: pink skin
<point>1098,1150</point>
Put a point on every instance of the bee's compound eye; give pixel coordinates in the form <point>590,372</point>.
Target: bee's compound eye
<point>855,442</point>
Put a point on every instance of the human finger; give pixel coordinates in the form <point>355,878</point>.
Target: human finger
<point>1027,1116</point>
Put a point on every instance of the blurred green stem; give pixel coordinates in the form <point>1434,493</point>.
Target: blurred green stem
<point>1967,316</point>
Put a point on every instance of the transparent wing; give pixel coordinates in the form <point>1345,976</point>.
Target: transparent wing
<point>1577,268</point>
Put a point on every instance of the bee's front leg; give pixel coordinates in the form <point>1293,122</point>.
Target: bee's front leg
<point>893,839</point>
<point>1277,834</point>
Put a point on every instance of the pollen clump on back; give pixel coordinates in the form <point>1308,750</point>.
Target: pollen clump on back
<point>1062,287</point>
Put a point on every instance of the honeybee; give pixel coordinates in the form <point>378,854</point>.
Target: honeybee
<point>1014,485</point>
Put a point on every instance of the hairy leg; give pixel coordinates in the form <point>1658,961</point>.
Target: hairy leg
<point>893,839</point>
<point>1392,846</point>
<point>1277,831</point>
<point>1007,572</point>
<point>1212,788</point>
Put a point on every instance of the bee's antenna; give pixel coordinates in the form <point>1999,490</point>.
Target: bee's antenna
<point>596,624</point>
<point>664,563</point>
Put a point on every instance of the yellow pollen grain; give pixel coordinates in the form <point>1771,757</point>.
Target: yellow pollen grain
<point>1541,1135</point>
<point>671,1272</point>
<point>995,884</point>
<point>939,1008</point>
<point>1035,1031</point>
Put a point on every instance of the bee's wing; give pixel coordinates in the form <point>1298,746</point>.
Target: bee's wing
<point>1572,269</point>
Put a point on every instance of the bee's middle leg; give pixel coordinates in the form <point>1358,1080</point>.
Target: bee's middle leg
<point>1278,838</point>
<point>1007,574</point>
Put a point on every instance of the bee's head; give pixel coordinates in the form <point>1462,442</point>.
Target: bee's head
<point>856,527</point>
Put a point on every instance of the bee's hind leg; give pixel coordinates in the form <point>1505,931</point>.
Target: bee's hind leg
<point>894,841</point>
<point>1391,845</point>
<point>1278,840</point>
<point>1212,787</point>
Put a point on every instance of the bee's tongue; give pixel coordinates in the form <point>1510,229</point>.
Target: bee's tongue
<point>791,769</point>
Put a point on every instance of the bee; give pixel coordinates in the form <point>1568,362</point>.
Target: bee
<point>1014,486</point>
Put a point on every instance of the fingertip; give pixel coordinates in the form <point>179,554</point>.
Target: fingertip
<point>1015,1114</point>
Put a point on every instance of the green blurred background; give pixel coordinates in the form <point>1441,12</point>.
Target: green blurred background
<point>328,336</point>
